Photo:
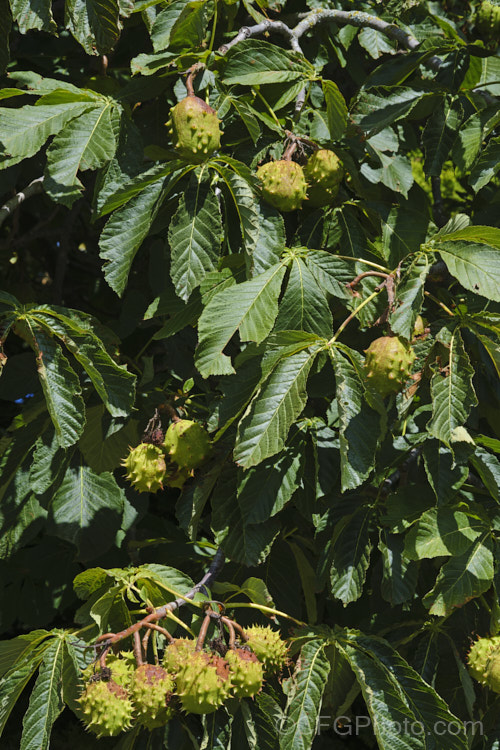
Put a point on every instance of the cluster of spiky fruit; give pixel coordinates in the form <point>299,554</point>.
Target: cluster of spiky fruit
<point>488,20</point>
<point>286,185</point>
<point>121,695</point>
<point>484,662</point>
<point>388,364</point>
<point>195,130</point>
<point>186,446</point>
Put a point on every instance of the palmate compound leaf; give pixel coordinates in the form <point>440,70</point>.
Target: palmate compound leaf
<point>250,308</point>
<point>304,699</point>
<point>405,712</point>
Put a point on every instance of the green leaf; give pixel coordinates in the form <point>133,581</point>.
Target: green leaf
<point>453,394</point>
<point>5,27</point>
<point>250,307</point>
<point>263,430</point>
<point>17,650</point>
<point>94,23</point>
<point>304,306</point>
<point>13,684</point>
<point>265,489</point>
<point>304,699</point>
<point>488,467</point>
<point>60,384</point>
<point>113,382</point>
<point>255,62</point>
<point>190,29</point>
<point>125,232</point>
<point>270,241</point>
<point>476,266</point>
<point>49,461</point>
<point>409,297</point>
<point>23,131</point>
<point>396,697</point>
<point>164,23</point>
<point>439,135</point>
<point>375,43</point>
<point>331,272</point>
<point>395,173</point>
<point>33,14</point>
<point>399,574</point>
<point>442,531</point>
<point>350,555</point>
<point>244,201</point>
<point>486,166</point>
<point>462,578</point>
<point>88,142</point>
<point>360,425</point>
<point>46,700</point>
<point>376,108</point>
<point>404,229</point>
<point>336,109</point>
<point>194,235</point>
<point>86,510</point>
<point>444,475</point>
<point>103,448</point>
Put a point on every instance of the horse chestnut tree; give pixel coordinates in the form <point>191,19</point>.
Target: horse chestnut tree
<point>249,399</point>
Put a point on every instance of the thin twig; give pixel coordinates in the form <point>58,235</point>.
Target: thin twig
<point>8,208</point>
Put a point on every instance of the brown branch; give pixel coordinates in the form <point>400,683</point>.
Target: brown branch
<point>109,639</point>
<point>8,208</point>
<point>360,276</point>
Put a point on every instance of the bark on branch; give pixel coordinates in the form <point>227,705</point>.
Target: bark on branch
<point>8,208</point>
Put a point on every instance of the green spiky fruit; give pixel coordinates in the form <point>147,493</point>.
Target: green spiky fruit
<point>388,363</point>
<point>107,709</point>
<point>120,668</point>
<point>194,126</point>
<point>150,691</point>
<point>146,467</point>
<point>324,169</point>
<point>488,20</point>
<point>177,653</point>
<point>187,443</point>
<point>245,671</point>
<point>203,683</point>
<point>479,655</point>
<point>492,676</point>
<point>178,477</point>
<point>283,184</point>
<point>268,647</point>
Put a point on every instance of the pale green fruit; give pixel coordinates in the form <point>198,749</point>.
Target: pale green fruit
<point>146,467</point>
<point>246,672</point>
<point>106,707</point>
<point>488,20</point>
<point>388,363</point>
<point>324,169</point>
<point>177,653</point>
<point>268,646</point>
<point>283,184</point>
<point>480,652</point>
<point>187,443</point>
<point>203,683</point>
<point>150,691</point>
<point>194,126</point>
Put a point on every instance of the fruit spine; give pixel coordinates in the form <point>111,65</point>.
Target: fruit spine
<point>245,671</point>
<point>388,363</point>
<point>484,662</point>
